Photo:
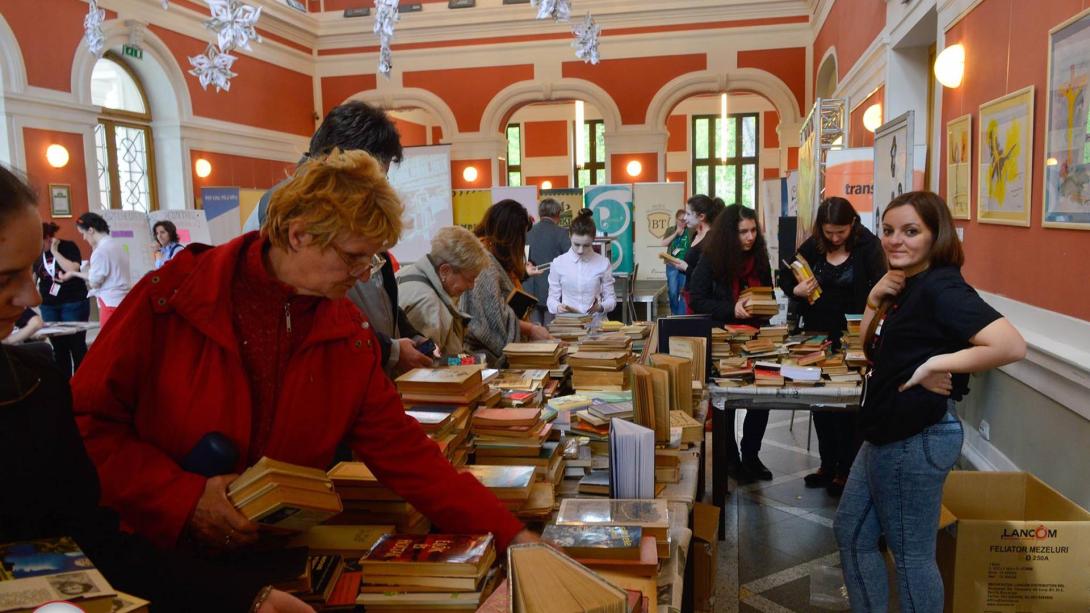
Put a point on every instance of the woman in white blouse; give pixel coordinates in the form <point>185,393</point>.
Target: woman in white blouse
<point>580,280</point>
<point>108,272</point>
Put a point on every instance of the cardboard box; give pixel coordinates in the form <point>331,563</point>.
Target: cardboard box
<point>704,555</point>
<point>1008,543</point>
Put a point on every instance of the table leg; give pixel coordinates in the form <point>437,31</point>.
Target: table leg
<point>701,473</point>
<point>719,465</point>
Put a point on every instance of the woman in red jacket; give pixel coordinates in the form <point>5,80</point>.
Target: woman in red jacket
<point>265,349</point>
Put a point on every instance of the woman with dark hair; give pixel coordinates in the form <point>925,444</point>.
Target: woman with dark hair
<point>166,244</point>
<point>580,280</point>
<point>494,324</point>
<point>700,214</point>
<point>847,261</point>
<point>62,301</point>
<point>736,258</point>
<point>51,484</point>
<point>108,274</point>
<point>926,329</point>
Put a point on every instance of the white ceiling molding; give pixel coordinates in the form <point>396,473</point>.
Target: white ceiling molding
<point>12,69</point>
<point>820,9</point>
<point>752,79</point>
<point>411,97</point>
<point>512,97</point>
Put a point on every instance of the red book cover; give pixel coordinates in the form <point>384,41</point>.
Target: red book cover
<point>428,548</point>
<point>346,590</point>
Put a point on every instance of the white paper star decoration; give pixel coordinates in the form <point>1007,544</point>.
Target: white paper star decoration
<point>233,22</point>
<point>213,67</point>
<point>166,4</point>
<point>385,17</point>
<point>92,29</point>
<point>586,40</point>
<point>557,10</point>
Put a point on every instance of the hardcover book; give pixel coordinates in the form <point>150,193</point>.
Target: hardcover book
<point>437,555</point>
<point>621,542</point>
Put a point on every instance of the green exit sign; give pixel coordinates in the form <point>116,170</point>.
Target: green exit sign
<point>132,51</point>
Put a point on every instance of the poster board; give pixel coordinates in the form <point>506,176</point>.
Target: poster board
<point>959,166</point>
<point>773,205</point>
<point>221,207</point>
<point>571,200</point>
<point>132,230</point>
<point>469,206</point>
<point>612,207</point>
<point>849,174</point>
<point>192,225</point>
<point>892,165</point>
<point>791,184</point>
<point>422,180</point>
<point>1066,154</point>
<point>807,182</point>
<point>1005,168</point>
<point>524,195</point>
<point>654,206</point>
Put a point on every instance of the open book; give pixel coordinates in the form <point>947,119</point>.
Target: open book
<point>540,579</point>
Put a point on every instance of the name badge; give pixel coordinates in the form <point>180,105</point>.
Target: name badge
<point>55,289</point>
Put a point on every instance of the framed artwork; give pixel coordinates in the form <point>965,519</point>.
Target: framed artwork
<point>1066,200</point>
<point>892,163</point>
<point>60,200</point>
<point>1005,172</point>
<point>959,154</point>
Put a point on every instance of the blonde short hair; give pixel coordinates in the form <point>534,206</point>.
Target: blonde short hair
<point>343,192</point>
<point>458,247</point>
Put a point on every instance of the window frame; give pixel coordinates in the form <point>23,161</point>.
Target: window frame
<point>734,158</point>
<point>514,167</point>
<point>110,119</point>
<point>593,164</point>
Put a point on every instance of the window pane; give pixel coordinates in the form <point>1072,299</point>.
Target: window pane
<point>584,178</point>
<point>749,136</point>
<point>102,166</point>
<point>600,142</point>
<point>600,176</point>
<point>749,185</point>
<point>725,184</point>
<point>514,145</point>
<point>132,168</point>
<point>732,137</point>
<point>700,181</point>
<point>586,143</point>
<point>113,88</point>
<point>514,179</point>
<point>701,143</point>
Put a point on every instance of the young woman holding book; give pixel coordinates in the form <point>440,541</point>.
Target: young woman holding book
<point>677,239</point>
<point>735,259</point>
<point>847,261</point>
<point>580,280</point>
<point>494,324</point>
<point>925,329</point>
<point>50,486</point>
<point>700,214</point>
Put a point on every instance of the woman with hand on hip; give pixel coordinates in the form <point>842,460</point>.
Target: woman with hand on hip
<point>925,329</point>
<point>580,280</point>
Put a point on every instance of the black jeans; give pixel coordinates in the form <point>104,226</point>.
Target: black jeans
<point>69,349</point>
<point>837,442</point>
<point>753,432</point>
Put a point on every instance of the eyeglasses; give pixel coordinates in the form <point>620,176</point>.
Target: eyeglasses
<point>357,264</point>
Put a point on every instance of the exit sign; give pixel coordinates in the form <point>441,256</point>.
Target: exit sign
<point>132,51</point>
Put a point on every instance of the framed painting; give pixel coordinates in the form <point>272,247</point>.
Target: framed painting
<point>60,201</point>
<point>959,154</point>
<point>1066,198</point>
<point>1005,171</point>
<point>893,174</point>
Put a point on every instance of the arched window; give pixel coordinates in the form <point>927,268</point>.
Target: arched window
<point>123,140</point>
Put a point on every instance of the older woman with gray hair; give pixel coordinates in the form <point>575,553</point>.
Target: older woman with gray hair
<point>429,289</point>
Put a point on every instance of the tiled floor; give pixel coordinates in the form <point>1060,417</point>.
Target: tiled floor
<point>777,533</point>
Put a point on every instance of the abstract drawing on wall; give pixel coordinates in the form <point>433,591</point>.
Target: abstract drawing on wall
<point>1067,149</point>
<point>893,166</point>
<point>1005,173</point>
<point>959,160</point>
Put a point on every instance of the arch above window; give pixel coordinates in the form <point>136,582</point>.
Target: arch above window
<point>113,87</point>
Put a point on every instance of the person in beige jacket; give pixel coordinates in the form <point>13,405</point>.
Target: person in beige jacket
<point>428,289</point>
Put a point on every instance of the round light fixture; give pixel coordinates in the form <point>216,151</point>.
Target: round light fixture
<point>950,66</point>
<point>634,168</point>
<point>470,173</point>
<point>1052,162</point>
<point>203,167</point>
<point>872,117</point>
<point>57,156</point>
<point>546,184</point>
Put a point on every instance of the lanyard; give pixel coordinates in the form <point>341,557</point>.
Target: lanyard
<point>50,265</point>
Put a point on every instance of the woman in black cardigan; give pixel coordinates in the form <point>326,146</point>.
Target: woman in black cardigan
<point>735,258</point>
<point>847,260</point>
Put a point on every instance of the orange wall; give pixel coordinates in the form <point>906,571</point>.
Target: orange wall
<point>41,174</point>
<point>411,133</point>
<point>633,82</point>
<point>678,127</point>
<point>770,121</point>
<point>336,90</point>
<point>852,25</point>
<point>859,136</point>
<point>468,103</point>
<point>679,176</point>
<point>263,95</point>
<point>436,134</point>
<point>787,64</point>
<point>559,182</point>
<point>238,171</point>
<point>48,50</point>
<point>648,174</point>
<point>484,174</point>
<point>792,158</point>
<point>1034,272</point>
<point>544,138</point>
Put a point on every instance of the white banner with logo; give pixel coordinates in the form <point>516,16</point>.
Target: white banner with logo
<point>654,207</point>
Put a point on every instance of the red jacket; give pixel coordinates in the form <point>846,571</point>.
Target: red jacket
<point>167,371</point>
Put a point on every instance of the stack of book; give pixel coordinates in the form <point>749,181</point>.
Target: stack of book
<point>762,301</point>
<point>34,573</point>
<point>510,431</point>
<point>457,385</point>
<point>447,425</point>
<point>622,548</point>
<point>607,341</point>
<point>651,516</point>
<point>283,496</point>
<point>548,464</point>
<point>638,330</point>
<point>366,501</point>
<point>598,370</point>
<point>411,572</point>
<point>545,355</point>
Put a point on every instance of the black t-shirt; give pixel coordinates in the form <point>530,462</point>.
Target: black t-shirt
<point>73,290</point>
<point>692,258</point>
<point>837,284</point>
<point>936,313</point>
<point>25,318</point>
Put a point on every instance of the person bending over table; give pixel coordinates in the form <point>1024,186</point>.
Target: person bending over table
<point>265,349</point>
<point>580,280</point>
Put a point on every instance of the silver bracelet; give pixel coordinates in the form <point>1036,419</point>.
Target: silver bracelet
<point>262,596</point>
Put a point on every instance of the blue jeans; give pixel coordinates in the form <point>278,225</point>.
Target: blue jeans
<point>896,490</point>
<point>675,282</point>
<point>68,350</point>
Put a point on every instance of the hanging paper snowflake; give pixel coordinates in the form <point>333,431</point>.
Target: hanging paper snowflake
<point>557,10</point>
<point>92,29</point>
<point>166,4</point>
<point>233,22</point>
<point>213,67</point>
<point>586,40</point>
<point>385,17</point>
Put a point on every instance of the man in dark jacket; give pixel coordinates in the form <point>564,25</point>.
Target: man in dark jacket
<point>546,240</point>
